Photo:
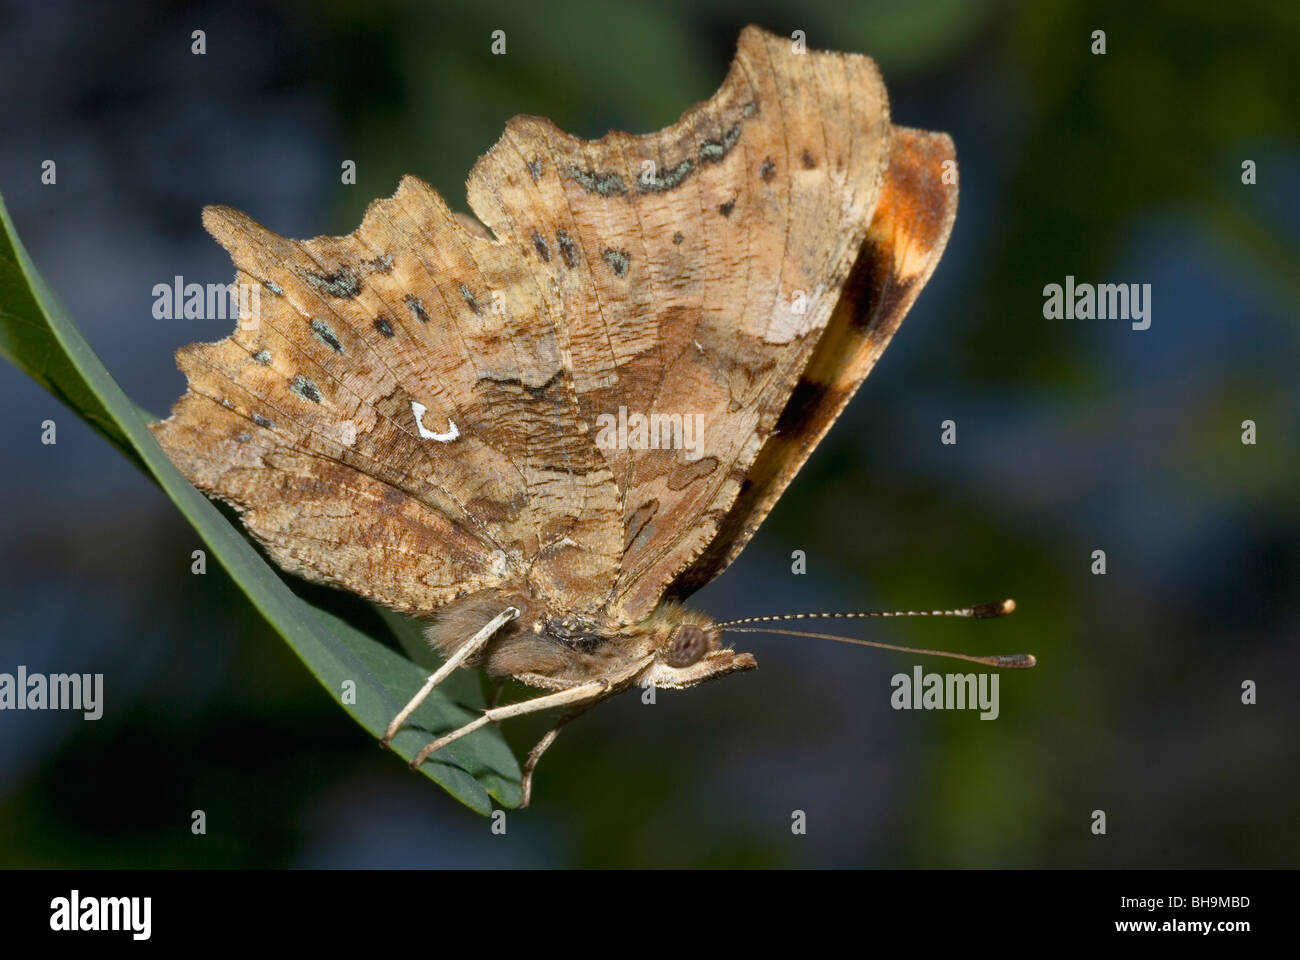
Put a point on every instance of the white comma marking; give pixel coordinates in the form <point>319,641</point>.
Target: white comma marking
<point>419,410</point>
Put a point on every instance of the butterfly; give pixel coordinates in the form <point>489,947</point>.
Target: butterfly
<point>421,411</point>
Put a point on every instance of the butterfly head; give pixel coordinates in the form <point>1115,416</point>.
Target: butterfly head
<point>688,649</point>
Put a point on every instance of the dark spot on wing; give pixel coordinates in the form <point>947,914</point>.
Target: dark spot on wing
<point>606,184</point>
<point>713,151</point>
<point>469,298</point>
<point>542,247</point>
<point>677,238</point>
<point>805,399</point>
<point>263,357</point>
<point>807,160</point>
<point>305,389</point>
<point>416,306</point>
<point>343,284</point>
<point>669,180</point>
<point>618,261</point>
<point>383,326</point>
<point>726,208</point>
<point>261,421</point>
<point>767,171</point>
<point>567,250</point>
<point>326,335</point>
<point>535,168</point>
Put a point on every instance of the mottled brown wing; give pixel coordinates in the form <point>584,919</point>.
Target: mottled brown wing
<point>696,270</point>
<point>305,420</point>
<point>913,219</point>
<point>690,273</point>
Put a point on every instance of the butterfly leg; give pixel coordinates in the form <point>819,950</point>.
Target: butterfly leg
<point>471,647</point>
<point>543,745</point>
<point>587,691</point>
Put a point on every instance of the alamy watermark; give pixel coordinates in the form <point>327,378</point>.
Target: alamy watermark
<point>75,913</point>
<point>655,431</point>
<point>179,300</point>
<point>951,691</point>
<point>54,691</point>
<point>1101,301</point>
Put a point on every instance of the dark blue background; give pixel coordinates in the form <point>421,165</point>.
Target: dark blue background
<point>1073,435</point>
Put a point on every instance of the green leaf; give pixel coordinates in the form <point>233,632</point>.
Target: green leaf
<point>37,336</point>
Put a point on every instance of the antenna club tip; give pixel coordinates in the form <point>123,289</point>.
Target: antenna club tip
<point>1016,661</point>
<point>987,610</point>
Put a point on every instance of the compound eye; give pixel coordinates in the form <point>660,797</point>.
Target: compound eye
<point>689,644</point>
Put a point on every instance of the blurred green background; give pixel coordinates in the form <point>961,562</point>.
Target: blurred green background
<point>1073,436</point>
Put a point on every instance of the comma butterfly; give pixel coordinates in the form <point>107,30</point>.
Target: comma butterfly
<point>484,423</point>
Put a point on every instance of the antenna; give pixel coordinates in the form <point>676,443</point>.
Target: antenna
<point>982,611</point>
<point>1014,661</point>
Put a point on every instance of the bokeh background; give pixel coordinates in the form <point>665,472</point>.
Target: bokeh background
<point>1073,436</point>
